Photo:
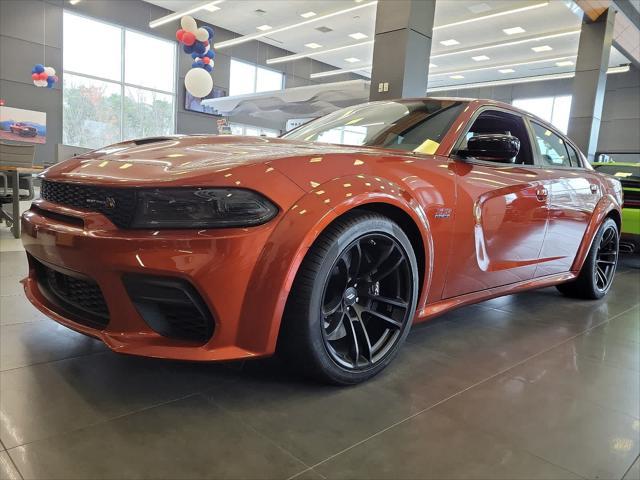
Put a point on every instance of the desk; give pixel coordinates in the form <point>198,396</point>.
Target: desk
<point>15,172</point>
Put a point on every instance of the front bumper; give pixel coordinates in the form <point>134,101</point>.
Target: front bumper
<point>218,264</point>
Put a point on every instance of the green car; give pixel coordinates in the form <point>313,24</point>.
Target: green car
<point>629,175</point>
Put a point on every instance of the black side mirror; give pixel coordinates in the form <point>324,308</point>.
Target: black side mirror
<point>496,147</point>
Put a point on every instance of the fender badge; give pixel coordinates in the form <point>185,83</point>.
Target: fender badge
<point>443,213</point>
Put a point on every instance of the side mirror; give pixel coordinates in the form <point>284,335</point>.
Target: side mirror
<point>495,146</point>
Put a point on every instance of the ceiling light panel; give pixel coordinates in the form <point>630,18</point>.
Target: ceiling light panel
<point>564,63</point>
<point>313,45</point>
<point>340,71</point>
<point>456,77</point>
<point>308,14</point>
<point>352,59</point>
<point>480,58</point>
<point>176,15</point>
<point>542,48</point>
<point>358,36</point>
<point>478,8</point>
<point>513,30</point>
<point>450,43</point>
<point>506,70</point>
<point>264,28</point>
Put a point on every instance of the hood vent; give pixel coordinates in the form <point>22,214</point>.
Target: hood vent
<point>145,141</point>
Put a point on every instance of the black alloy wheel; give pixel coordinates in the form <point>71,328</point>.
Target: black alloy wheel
<point>353,300</point>
<point>598,271</point>
<point>366,301</point>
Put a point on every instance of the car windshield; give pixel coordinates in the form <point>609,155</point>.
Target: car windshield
<point>413,125</point>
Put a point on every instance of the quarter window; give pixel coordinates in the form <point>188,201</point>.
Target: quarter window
<point>553,150</point>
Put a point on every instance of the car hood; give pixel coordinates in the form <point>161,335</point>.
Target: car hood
<point>186,160</point>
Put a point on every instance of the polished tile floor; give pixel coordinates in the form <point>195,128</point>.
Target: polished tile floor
<point>530,386</point>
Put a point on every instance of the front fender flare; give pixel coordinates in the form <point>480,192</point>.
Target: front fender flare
<point>295,233</point>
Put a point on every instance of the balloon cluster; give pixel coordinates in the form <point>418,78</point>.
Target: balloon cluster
<point>43,76</point>
<point>197,42</point>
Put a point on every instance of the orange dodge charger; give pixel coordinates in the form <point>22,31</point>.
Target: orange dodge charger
<point>324,245</point>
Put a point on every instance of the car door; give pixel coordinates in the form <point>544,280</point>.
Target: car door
<point>501,211</point>
<point>573,194</point>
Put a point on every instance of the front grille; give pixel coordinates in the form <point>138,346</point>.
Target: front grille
<point>80,297</point>
<point>631,198</point>
<point>117,204</point>
<point>170,306</point>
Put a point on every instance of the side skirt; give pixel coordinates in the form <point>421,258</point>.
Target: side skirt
<point>442,306</point>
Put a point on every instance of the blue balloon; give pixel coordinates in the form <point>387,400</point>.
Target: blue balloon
<point>39,68</point>
<point>210,54</point>
<point>187,48</point>
<point>50,79</point>
<point>199,48</point>
<point>194,55</point>
<point>197,64</point>
<point>209,31</point>
<point>207,67</point>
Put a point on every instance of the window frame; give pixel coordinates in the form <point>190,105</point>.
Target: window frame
<point>121,82</point>
<point>530,119</point>
<point>453,154</point>
<point>255,76</point>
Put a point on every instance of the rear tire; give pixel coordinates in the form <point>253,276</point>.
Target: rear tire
<point>352,302</point>
<point>596,276</point>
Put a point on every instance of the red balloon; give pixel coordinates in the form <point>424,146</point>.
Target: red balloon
<point>188,38</point>
<point>42,76</point>
<point>35,76</point>
<point>179,35</point>
<point>206,60</point>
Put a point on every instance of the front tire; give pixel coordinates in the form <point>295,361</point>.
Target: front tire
<point>596,276</point>
<point>353,300</point>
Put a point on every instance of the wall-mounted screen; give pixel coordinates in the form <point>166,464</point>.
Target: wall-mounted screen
<point>194,104</point>
<point>23,125</point>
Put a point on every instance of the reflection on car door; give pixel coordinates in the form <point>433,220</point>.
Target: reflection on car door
<point>573,195</point>
<point>501,216</point>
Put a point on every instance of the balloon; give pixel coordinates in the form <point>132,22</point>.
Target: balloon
<point>55,78</point>
<point>199,48</point>
<point>194,55</point>
<point>208,68</point>
<point>188,38</point>
<point>196,64</point>
<point>40,83</point>
<point>209,30</point>
<point>202,35</point>
<point>50,71</point>
<point>210,54</point>
<point>206,60</point>
<point>179,35</point>
<point>39,68</point>
<point>50,84</point>
<point>187,48</point>
<point>35,76</point>
<point>198,82</point>
<point>42,76</point>
<point>189,24</point>
<point>206,43</point>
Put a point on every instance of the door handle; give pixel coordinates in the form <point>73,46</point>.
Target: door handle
<point>542,194</point>
<point>594,188</point>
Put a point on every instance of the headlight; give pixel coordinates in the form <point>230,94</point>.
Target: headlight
<point>201,208</point>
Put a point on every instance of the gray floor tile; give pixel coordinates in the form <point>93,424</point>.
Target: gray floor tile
<point>433,446</point>
<point>23,344</point>
<point>7,469</point>
<point>13,264</point>
<point>10,285</point>
<point>600,346</point>
<point>634,471</point>
<point>571,432</point>
<point>54,398</point>
<point>16,309</point>
<point>189,438</point>
<point>562,371</point>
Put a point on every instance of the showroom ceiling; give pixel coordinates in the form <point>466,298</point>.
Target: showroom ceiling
<point>474,41</point>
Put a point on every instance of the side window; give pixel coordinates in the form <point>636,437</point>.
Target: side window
<point>493,121</point>
<point>573,156</point>
<point>553,150</point>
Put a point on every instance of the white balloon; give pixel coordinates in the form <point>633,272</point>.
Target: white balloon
<point>198,82</point>
<point>202,35</point>
<point>50,71</point>
<point>40,83</point>
<point>188,24</point>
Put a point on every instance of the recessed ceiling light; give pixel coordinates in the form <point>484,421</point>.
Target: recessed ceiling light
<point>352,59</point>
<point>456,77</point>
<point>479,8</point>
<point>312,45</point>
<point>358,35</point>
<point>264,28</point>
<point>211,8</point>
<point>433,65</point>
<point>542,48</point>
<point>564,63</point>
<point>506,70</point>
<point>480,58</point>
<point>450,43</point>
<point>308,14</point>
<point>513,30</point>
